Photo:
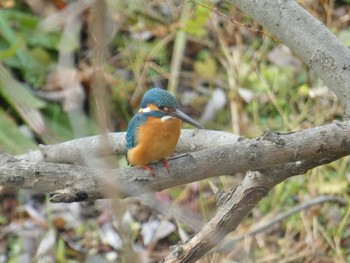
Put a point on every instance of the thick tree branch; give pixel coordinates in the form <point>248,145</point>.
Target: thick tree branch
<point>312,41</point>
<point>80,151</point>
<point>78,183</point>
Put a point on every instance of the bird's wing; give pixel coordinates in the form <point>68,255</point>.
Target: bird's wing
<point>131,132</point>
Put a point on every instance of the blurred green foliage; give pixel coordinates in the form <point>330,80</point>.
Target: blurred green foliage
<point>141,45</point>
<point>26,48</point>
<point>196,25</point>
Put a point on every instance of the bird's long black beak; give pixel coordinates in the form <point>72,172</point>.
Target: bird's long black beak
<point>182,116</point>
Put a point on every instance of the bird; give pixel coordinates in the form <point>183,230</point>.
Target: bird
<point>153,132</point>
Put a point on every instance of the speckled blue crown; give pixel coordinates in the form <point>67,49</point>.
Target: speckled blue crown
<point>158,97</point>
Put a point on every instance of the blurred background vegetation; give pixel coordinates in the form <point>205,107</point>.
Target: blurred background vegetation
<point>70,69</point>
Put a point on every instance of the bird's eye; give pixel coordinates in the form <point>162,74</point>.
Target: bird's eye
<point>163,108</point>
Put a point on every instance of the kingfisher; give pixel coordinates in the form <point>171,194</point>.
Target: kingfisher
<point>154,131</point>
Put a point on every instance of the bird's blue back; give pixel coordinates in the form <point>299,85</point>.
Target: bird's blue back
<point>134,124</point>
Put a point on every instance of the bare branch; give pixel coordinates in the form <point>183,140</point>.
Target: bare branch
<point>238,203</point>
<point>80,151</point>
<point>77,183</point>
<point>312,41</point>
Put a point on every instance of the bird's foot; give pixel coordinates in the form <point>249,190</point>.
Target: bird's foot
<point>150,170</point>
<point>165,163</point>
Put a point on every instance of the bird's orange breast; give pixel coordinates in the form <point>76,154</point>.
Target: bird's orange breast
<point>156,140</point>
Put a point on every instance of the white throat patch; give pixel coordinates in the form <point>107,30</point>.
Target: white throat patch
<point>165,118</point>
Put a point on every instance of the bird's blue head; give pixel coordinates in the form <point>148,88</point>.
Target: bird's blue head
<point>159,98</point>
<point>160,103</point>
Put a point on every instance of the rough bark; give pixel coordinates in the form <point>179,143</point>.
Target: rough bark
<point>80,151</point>
<point>78,183</point>
<point>235,206</point>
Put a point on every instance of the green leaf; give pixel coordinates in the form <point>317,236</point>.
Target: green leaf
<point>33,63</point>
<point>11,37</point>
<point>23,101</point>
<point>23,20</point>
<point>28,26</point>
<point>195,26</point>
<point>61,251</point>
<point>16,93</point>
<point>12,140</point>
<point>11,51</point>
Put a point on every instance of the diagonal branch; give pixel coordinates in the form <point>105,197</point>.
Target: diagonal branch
<point>307,37</point>
<point>237,204</point>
